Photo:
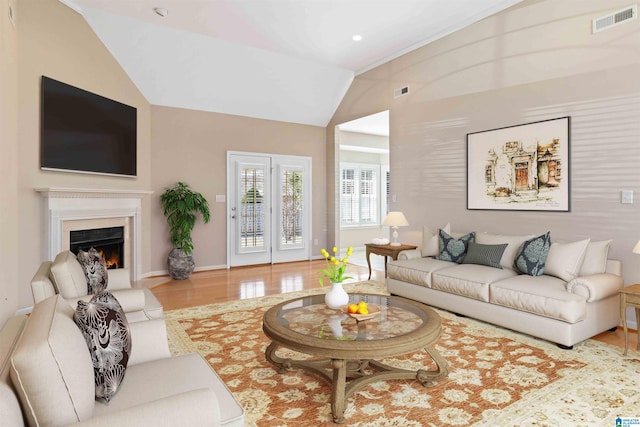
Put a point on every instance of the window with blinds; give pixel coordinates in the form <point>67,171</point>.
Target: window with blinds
<point>252,214</point>
<point>360,194</point>
<point>291,233</point>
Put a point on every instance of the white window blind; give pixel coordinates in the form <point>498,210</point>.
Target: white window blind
<point>359,194</point>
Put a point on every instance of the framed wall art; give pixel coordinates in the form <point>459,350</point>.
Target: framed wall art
<point>523,167</point>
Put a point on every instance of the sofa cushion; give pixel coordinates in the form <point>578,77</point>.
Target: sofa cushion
<point>150,381</point>
<point>565,259</point>
<point>513,244</point>
<point>452,249</point>
<point>417,271</point>
<point>488,255</point>
<point>68,276</point>
<point>51,367</point>
<point>542,295</point>
<point>595,259</point>
<point>95,270</point>
<point>106,332</point>
<point>469,280</point>
<point>531,256</point>
<point>430,240</point>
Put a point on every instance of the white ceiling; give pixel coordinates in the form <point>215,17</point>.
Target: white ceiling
<point>285,60</point>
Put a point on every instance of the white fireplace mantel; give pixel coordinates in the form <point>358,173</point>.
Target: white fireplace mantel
<point>64,192</point>
<point>77,204</point>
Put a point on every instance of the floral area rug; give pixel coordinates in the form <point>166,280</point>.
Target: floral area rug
<point>496,377</point>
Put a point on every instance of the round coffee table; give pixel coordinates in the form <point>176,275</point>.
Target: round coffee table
<point>345,348</point>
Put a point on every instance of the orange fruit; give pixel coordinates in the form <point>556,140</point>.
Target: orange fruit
<point>352,308</point>
<point>363,310</point>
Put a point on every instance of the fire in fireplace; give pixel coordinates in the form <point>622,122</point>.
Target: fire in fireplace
<point>109,242</point>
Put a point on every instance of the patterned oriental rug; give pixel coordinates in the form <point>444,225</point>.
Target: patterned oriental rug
<point>497,377</point>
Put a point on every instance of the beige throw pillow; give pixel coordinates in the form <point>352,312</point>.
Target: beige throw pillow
<point>565,259</point>
<point>595,260</point>
<point>430,241</point>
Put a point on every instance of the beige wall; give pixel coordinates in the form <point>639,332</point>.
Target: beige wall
<point>532,62</point>
<point>55,41</point>
<point>8,162</point>
<point>191,146</point>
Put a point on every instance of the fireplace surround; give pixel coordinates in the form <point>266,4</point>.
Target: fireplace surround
<point>69,210</point>
<point>108,241</point>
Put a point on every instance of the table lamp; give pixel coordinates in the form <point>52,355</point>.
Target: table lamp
<point>395,220</point>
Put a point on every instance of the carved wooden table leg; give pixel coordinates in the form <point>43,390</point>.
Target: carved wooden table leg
<point>338,398</point>
<point>369,262</point>
<point>429,378</point>
<point>283,365</point>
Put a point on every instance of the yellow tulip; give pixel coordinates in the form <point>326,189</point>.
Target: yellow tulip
<point>344,260</point>
<point>335,261</point>
<point>332,259</point>
<point>335,250</point>
<point>349,251</point>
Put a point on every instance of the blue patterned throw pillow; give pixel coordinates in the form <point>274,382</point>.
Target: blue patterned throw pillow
<point>452,249</point>
<point>532,255</point>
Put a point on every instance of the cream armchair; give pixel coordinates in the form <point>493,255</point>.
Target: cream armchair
<point>46,378</point>
<point>64,276</point>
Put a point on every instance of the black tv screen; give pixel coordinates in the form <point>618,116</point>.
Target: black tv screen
<point>85,132</point>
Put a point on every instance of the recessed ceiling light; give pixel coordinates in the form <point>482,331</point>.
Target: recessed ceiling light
<point>356,37</point>
<point>161,11</point>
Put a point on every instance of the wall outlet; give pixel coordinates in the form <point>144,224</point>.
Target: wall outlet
<point>626,197</point>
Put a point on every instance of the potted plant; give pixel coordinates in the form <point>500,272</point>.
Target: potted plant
<point>181,204</point>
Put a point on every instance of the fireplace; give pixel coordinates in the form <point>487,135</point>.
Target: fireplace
<point>71,210</point>
<point>108,241</point>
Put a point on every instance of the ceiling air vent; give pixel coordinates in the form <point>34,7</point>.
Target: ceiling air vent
<point>615,18</point>
<point>401,91</point>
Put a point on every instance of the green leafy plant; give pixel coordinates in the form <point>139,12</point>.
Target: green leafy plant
<point>181,204</point>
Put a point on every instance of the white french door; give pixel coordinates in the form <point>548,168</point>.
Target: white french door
<point>269,208</point>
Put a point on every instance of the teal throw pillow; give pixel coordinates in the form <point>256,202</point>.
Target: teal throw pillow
<point>489,255</point>
<point>532,255</point>
<point>452,249</point>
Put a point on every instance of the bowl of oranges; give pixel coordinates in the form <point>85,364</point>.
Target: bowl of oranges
<point>362,310</point>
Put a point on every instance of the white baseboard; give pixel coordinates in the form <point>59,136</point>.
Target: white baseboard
<point>23,311</point>
<point>166,272</point>
<point>211,267</point>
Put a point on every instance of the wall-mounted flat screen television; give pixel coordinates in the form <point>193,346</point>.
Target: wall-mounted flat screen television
<point>85,132</point>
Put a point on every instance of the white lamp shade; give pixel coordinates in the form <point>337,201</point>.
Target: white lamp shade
<point>636,248</point>
<point>395,219</point>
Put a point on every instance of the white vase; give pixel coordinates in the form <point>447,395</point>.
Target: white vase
<point>335,323</point>
<point>337,297</point>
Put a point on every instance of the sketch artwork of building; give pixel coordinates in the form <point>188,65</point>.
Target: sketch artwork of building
<point>518,174</point>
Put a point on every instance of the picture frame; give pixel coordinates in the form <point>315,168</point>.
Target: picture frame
<point>520,168</point>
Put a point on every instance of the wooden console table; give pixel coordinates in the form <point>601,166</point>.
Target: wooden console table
<point>629,297</point>
<point>385,251</point>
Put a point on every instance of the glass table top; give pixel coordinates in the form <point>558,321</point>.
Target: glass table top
<point>310,317</point>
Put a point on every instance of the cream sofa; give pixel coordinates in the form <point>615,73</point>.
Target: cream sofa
<point>567,310</point>
<point>46,378</point>
<point>64,276</point>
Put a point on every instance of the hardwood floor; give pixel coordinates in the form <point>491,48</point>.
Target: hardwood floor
<point>246,282</point>
<point>249,282</point>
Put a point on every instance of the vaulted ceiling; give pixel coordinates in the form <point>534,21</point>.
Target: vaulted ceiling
<point>285,60</point>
